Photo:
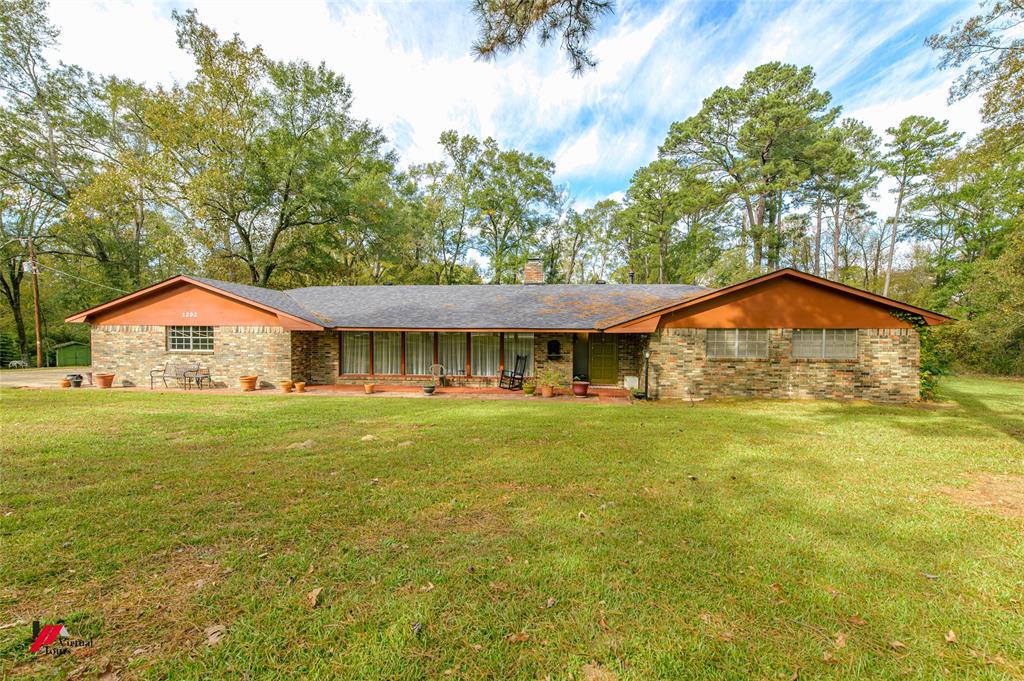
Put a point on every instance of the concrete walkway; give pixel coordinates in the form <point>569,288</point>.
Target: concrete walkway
<point>48,377</point>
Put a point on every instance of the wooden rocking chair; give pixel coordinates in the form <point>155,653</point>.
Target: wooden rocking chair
<point>513,380</point>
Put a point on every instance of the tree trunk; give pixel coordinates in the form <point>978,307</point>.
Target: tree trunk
<point>817,240</point>
<point>892,239</point>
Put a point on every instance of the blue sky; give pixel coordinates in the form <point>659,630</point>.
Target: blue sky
<point>412,72</point>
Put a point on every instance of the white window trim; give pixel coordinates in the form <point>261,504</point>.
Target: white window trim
<point>168,330</point>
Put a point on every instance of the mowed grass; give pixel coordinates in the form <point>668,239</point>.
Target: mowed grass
<point>497,539</point>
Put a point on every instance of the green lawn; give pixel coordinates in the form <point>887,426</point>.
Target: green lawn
<point>472,539</point>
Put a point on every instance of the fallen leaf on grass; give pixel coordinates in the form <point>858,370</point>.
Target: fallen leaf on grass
<point>950,636</point>
<point>898,646</point>
<point>305,444</point>
<point>582,516</point>
<point>597,672</point>
<point>313,597</point>
<point>11,624</point>
<point>368,438</point>
<point>417,627</point>
<point>928,576</point>
<point>215,633</point>
<point>106,671</point>
<point>601,622</point>
<point>550,603</point>
<point>857,619</point>
<point>406,443</point>
<point>841,640</point>
<point>428,587</point>
<point>518,637</point>
<point>828,657</point>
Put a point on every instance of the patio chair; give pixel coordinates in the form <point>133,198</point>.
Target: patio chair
<point>513,380</point>
<point>437,374</point>
<point>198,376</point>
<point>184,374</point>
<point>163,373</point>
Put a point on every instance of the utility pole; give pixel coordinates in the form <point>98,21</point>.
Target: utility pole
<point>35,302</point>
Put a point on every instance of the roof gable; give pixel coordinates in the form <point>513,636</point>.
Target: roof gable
<point>786,298</point>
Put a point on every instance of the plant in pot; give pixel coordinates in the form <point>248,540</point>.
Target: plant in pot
<point>248,383</point>
<point>105,380</point>
<point>368,387</point>
<point>580,386</point>
<point>548,380</point>
<point>529,387</point>
<point>429,388</point>
<point>65,382</point>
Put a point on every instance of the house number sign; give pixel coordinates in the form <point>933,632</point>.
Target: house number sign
<point>189,314</point>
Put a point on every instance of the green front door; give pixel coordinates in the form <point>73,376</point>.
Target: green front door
<point>604,359</point>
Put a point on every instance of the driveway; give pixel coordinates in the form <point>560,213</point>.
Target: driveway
<point>39,378</point>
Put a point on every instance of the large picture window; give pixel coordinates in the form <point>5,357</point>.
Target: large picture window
<point>355,352</point>
<point>419,352</point>
<point>451,351</point>
<point>484,348</point>
<point>190,338</point>
<point>387,352</point>
<point>737,343</point>
<point>825,343</point>
<point>519,344</point>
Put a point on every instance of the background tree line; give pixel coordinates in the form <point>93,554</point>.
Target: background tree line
<point>257,171</point>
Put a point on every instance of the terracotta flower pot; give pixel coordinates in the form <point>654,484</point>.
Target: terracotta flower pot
<point>547,391</point>
<point>105,380</point>
<point>65,383</point>
<point>579,388</point>
<point>286,386</point>
<point>248,383</point>
<point>368,387</point>
<point>300,386</point>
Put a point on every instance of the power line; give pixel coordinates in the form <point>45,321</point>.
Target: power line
<point>54,269</point>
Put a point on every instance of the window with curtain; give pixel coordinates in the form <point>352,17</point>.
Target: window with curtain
<point>355,351</point>
<point>519,344</point>
<point>825,343</point>
<point>451,353</point>
<point>387,352</point>
<point>419,352</point>
<point>737,343</point>
<point>484,348</point>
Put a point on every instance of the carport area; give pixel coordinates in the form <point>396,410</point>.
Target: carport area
<point>47,377</point>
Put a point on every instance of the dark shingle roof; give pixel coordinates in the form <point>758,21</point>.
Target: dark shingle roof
<point>542,306</point>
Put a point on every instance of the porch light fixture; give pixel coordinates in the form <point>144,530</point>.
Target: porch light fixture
<point>647,373</point>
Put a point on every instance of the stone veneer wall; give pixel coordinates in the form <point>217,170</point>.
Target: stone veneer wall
<point>131,352</point>
<point>315,357</point>
<point>886,369</point>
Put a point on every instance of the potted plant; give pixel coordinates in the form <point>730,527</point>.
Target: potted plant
<point>300,386</point>
<point>429,388</point>
<point>76,380</point>
<point>368,387</point>
<point>286,386</point>
<point>580,386</point>
<point>105,380</point>
<point>529,387</point>
<point>65,382</point>
<point>248,383</point>
<point>549,379</point>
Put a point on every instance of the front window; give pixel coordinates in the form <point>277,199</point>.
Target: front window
<point>419,352</point>
<point>484,348</point>
<point>825,343</point>
<point>519,344</point>
<point>451,351</point>
<point>355,352</point>
<point>737,343</point>
<point>190,338</point>
<point>387,352</point>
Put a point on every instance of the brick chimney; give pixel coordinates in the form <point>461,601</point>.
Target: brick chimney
<point>533,273</point>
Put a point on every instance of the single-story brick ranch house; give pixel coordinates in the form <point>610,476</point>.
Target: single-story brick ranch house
<point>783,334</point>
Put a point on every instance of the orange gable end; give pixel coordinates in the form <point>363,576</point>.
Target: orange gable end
<point>185,304</point>
<point>784,303</point>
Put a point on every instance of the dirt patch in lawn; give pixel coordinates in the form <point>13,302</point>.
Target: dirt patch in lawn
<point>1003,494</point>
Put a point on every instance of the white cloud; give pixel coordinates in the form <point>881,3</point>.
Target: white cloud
<point>411,71</point>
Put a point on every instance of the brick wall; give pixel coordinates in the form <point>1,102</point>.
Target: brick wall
<point>561,364</point>
<point>131,352</point>
<point>315,357</point>
<point>886,369</point>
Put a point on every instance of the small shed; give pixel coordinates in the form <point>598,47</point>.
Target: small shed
<point>73,354</point>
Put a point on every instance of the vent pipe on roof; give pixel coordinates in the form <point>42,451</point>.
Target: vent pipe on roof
<point>632,277</point>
